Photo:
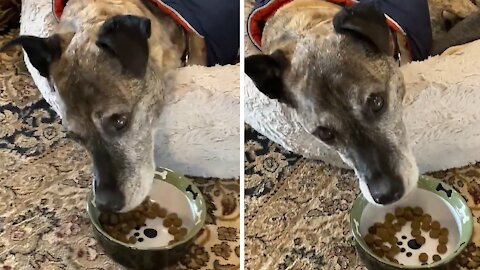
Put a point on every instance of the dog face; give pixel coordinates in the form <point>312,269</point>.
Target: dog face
<point>347,91</point>
<point>112,95</point>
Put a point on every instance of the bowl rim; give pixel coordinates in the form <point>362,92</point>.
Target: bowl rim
<point>191,234</point>
<point>423,183</point>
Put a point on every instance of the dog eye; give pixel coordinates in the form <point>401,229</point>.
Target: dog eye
<point>324,134</point>
<point>375,102</point>
<point>118,121</point>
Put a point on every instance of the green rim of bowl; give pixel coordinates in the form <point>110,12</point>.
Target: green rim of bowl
<point>456,201</point>
<point>180,182</point>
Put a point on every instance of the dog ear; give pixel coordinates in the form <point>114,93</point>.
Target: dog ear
<point>126,38</point>
<point>41,51</point>
<point>266,71</point>
<point>366,21</point>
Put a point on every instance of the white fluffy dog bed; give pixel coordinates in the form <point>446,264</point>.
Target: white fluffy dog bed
<point>442,113</point>
<point>200,126</point>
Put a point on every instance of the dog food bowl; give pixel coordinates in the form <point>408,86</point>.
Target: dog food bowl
<point>437,199</point>
<point>152,249</point>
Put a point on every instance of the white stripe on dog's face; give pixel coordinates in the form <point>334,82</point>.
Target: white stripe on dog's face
<point>136,189</point>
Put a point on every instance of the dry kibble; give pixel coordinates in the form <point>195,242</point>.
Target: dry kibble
<point>389,217</point>
<point>415,225</point>
<point>393,240</point>
<point>124,228</point>
<point>132,224</point>
<point>178,237</point>
<point>377,242</point>
<point>150,214</point>
<point>378,252</point>
<point>369,240</point>
<point>435,225</point>
<point>114,234</point>
<point>162,213</point>
<point>182,231</point>
<point>132,240</point>
<point>171,242</point>
<point>119,225</point>
<point>103,218</point>
<point>155,207</point>
<point>416,232</point>
<point>443,239</point>
<point>444,231</point>
<point>441,249</point>
<point>109,228</point>
<point>142,220</point>
<point>418,219</point>
<point>425,225</point>
<point>136,215</point>
<point>389,256</point>
<point>129,215</point>
<point>382,236</point>
<point>394,250</point>
<point>399,211</point>
<point>434,234</point>
<point>423,257</point>
<point>427,218</point>
<point>122,238</point>
<point>177,222</point>
<point>417,211</point>
<point>113,219</point>
<point>172,216</point>
<point>408,215</point>
<point>167,222</point>
<point>420,240</point>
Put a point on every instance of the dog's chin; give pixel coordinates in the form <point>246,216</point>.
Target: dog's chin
<point>137,188</point>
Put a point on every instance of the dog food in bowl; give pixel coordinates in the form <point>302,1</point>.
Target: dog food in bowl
<point>383,240</point>
<point>119,225</point>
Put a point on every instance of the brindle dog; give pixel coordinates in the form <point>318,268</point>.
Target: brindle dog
<point>334,67</point>
<point>111,62</point>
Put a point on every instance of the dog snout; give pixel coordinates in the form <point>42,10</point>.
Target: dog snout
<point>109,200</point>
<point>108,196</point>
<point>384,189</point>
<point>378,169</point>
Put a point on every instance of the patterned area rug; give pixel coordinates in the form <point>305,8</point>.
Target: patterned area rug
<point>297,210</point>
<point>45,178</point>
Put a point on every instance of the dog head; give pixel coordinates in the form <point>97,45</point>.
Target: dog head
<point>347,91</point>
<point>112,95</point>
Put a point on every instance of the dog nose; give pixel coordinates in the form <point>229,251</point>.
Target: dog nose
<point>109,201</point>
<point>386,190</point>
<point>384,199</point>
